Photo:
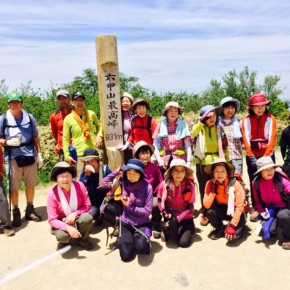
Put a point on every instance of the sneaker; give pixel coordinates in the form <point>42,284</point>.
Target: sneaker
<point>286,245</point>
<point>156,234</point>
<point>254,216</point>
<point>16,222</point>
<point>61,246</point>
<point>31,215</point>
<point>217,233</point>
<point>204,221</point>
<point>85,244</point>
<point>8,232</point>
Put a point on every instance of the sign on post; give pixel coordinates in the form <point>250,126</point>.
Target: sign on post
<point>109,95</point>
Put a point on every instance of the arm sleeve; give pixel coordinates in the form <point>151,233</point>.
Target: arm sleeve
<point>187,143</point>
<point>53,126</point>
<point>283,144</point>
<point>273,139</point>
<point>66,138</point>
<point>98,125</point>
<point>196,129</point>
<point>239,203</point>
<point>246,138</point>
<point>208,197</point>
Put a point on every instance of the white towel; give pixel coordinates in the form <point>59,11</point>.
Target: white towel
<point>73,201</point>
<point>12,125</point>
<point>231,201</point>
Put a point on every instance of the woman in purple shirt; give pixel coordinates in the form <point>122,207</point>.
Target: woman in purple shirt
<point>137,196</point>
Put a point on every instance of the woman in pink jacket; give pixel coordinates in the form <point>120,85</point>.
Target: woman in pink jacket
<point>68,207</point>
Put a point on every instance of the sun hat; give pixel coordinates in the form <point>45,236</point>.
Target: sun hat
<point>228,100</point>
<point>209,168</point>
<point>14,97</point>
<point>140,102</point>
<point>205,110</point>
<point>62,167</point>
<point>76,95</point>
<point>178,162</point>
<point>172,105</point>
<point>64,93</point>
<point>265,162</point>
<point>139,145</point>
<point>136,164</point>
<point>127,95</point>
<point>90,154</point>
<point>258,99</point>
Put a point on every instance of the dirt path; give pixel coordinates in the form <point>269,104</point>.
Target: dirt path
<point>247,264</point>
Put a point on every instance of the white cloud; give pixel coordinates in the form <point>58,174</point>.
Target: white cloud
<point>169,45</point>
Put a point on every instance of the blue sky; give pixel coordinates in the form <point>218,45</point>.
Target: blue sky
<point>169,45</point>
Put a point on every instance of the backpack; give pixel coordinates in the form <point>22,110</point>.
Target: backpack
<point>5,125</point>
<point>237,177</point>
<point>111,208</point>
<point>148,125</point>
<point>278,181</point>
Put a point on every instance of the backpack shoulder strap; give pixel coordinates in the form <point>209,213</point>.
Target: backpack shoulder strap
<point>278,181</point>
<point>149,124</point>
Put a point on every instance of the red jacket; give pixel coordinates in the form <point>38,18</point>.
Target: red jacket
<point>56,124</point>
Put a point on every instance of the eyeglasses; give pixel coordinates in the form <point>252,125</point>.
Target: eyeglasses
<point>64,176</point>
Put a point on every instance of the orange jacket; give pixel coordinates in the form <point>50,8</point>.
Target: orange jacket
<point>222,198</point>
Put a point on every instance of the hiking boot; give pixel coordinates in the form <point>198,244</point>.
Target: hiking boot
<point>8,232</point>
<point>254,216</point>
<point>115,232</point>
<point>204,221</point>
<point>217,233</point>
<point>61,246</point>
<point>164,237</point>
<point>156,234</point>
<point>16,222</point>
<point>286,245</point>
<point>31,215</point>
<point>85,244</point>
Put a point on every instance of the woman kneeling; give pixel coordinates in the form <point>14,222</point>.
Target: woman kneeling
<point>224,199</point>
<point>176,196</point>
<point>68,207</point>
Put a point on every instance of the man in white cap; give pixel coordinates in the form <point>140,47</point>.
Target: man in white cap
<point>56,120</point>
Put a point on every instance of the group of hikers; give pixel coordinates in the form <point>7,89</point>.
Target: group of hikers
<point>154,193</point>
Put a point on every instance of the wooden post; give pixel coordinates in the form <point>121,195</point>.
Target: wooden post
<point>109,95</point>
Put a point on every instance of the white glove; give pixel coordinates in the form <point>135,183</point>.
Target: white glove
<point>39,159</point>
<point>265,215</point>
<point>14,141</point>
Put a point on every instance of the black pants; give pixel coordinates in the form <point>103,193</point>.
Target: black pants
<point>131,241</point>
<point>202,179</point>
<point>218,213</point>
<point>283,218</point>
<point>251,171</point>
<point>182,233</point>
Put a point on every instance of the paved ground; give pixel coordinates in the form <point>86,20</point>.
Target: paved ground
<point>247,264</point>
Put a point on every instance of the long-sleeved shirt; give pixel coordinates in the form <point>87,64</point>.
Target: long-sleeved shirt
<point>178,200</point>
<point>140,196</point>
<point>154,176</point>
<point>210,145</point>
<point>285,145</point>
<point>56,125</point>
<point>72,130</point>
<point>55,211</point>
<point>269,194</point>
<point>222,198</point>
